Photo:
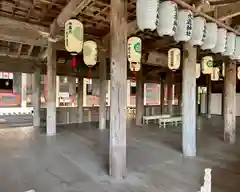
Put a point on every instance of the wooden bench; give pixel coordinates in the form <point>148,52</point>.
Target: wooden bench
<point>169,120</point>
<point>154,118</point>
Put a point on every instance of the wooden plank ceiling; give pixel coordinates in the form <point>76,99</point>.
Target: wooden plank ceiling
<point>24,24</point>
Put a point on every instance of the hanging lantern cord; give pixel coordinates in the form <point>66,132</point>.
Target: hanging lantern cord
<point>74,61</point>
<point>134,73</point>
<point>90,73</point>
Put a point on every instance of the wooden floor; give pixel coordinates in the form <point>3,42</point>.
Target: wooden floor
<point>76,160</point>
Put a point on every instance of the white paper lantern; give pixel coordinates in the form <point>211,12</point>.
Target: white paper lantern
<point>169,10</point>
<point>146,12</point>
<point>221,41</point>
<point>211,36</point>
<point>73,36</point>
<point>207,64</point>
<point>198,70</point>
<point>184,25</point>
<point>230,44</point>
<point>174,58</point>
<point>215,74</point>
<point>90,53</point>
<point>236,54</point>
<point>199,31</point>
<point>238,72</point>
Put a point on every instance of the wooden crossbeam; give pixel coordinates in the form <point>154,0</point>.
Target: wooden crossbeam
<point>6,22</point>
<point>30,50</point>
<point>42,54</point>
<point>19,50</point>
<point>71,10</point>
<point>228,11</point>
<point>25,65</point>
<point>42,42</point>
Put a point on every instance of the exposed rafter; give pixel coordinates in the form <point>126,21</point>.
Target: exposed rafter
<point>228,11</point>
<point>5,22</point>
<point>71,10</point>
<point>30,50</point>
<point>222,2</point>
<point>19,50</point>
<point>42,54</point>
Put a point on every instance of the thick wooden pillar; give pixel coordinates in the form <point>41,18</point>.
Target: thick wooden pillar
<point>230,103</point>
<point>118,108</point>
<point>170,93</point>
<point>80,101</point>
<point>209,96</point>
<point>51,93</point>
<point>139,98</point>
<point>103,88</point>
<point>189,101</point>
<point>36,98</point>
<point>162,95</point>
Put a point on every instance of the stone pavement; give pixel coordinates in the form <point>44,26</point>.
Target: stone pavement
<point>76,160</point>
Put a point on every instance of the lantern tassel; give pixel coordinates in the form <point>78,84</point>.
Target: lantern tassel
<point>74,62</point>
<point>134,73</point>
<point>89,73</point>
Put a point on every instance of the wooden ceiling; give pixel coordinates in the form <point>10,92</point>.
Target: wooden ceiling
<point>25,24</point>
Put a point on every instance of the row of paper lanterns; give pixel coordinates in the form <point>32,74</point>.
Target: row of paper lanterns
<point>208,68</point>
<point>167,19</point>
<point>74,43</point>
<point>74,35</point>
<point>174,61</point>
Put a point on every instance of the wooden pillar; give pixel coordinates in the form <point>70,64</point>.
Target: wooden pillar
<point>230,103</point>
<point>80,100</point>
<point>162,95</point>
<point>170,93</point>
<point>103,88</point>
<point>17,79</point>
<point>24,90</point>
<point>118,107</point>
<point>197,107</point>
<point>189,101</point>
<point>139,98</point>
<point>51,93</point>
<point>36,98</point>
<point>209,96</point>
<point>72,88</point>
<point>72,85</point>
<point>57,90</point>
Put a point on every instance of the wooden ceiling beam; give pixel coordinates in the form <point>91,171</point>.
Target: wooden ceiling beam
<point>222,2</point>
<point>41,41</point>
<point>30,50</point>
<point>19,50</point>
<point>16,55</point>
<point>71,10</point>
<point>42,54</point>
<point>228,11</point>
<point>5,22</point>
<point>28,66</point>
